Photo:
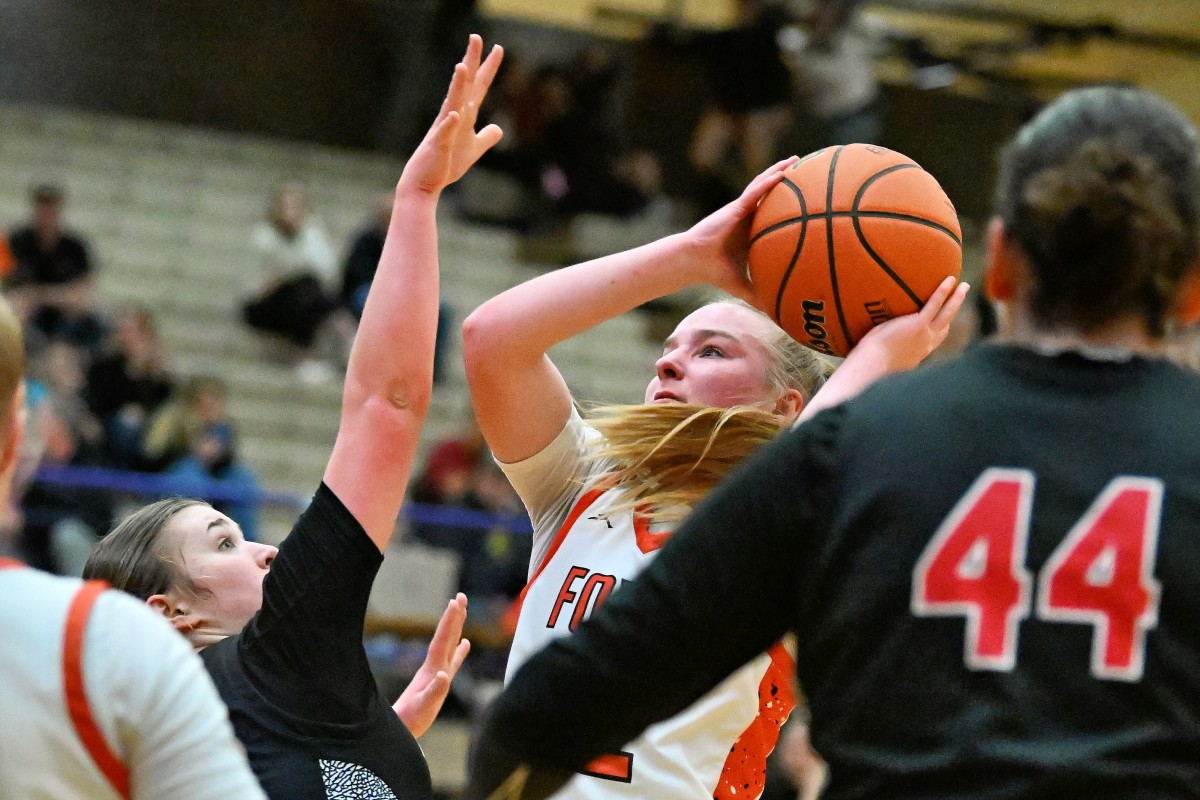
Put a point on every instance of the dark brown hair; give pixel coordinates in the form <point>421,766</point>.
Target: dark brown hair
<point>136,559</point>
<point>1101,192</point>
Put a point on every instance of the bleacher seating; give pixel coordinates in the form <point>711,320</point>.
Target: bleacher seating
<point>169,211</point>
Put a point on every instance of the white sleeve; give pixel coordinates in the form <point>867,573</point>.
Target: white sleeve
<point>549,481</point>
<point>319,254</point>
<point>158,708</point>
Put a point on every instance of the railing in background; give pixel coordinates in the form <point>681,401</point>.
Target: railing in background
<point>152,485</point>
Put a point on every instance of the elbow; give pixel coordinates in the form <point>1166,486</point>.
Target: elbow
<point>400,398</point>
<point>481,336</point>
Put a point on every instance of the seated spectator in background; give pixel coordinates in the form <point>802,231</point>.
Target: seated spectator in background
<point>448,467</point>
<point>495,568</point>
<point>359,271</point>
<point>565,147</point>
<point>741,131</point>
<point>833,66</point>
<point>127,384</point>
<point>193,439</point>
<point>54,274</point>
<point>60,525</point>
<point>296,295</point>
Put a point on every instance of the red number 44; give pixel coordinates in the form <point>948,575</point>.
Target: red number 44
<point>1101,574</point>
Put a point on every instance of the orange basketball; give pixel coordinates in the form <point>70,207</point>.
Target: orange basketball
<point>852,236</point>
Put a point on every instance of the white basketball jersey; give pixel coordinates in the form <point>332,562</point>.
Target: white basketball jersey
<point>716,748</point>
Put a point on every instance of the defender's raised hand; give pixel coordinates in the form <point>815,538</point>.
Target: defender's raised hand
<point>452,144</point>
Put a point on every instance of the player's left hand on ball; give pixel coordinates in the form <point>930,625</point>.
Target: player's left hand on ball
<point>906,341</point>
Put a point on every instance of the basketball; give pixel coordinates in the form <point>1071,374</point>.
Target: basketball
<point>852,236</point>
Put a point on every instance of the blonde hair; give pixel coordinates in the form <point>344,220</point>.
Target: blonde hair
<point>12,365</point>
<point>666,457</point>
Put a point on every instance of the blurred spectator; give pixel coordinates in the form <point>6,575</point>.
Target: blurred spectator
<point>359,271</point>
<point>62,524</point>
<point>564,144</point>
<point>127,384</point>
<point>447,471</point>
<point>741,132</point>
<point>495,568</point>
<point>192,439</point>
<point>296,295</point>
<point>833,66</point>
<point>53,274</point>
<point>8,263</point>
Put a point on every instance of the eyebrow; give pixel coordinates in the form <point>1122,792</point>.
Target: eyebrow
<point>704,333</point>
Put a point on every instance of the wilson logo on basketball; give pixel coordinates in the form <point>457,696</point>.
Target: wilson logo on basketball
<point>814,325</point>
<point>878,311</point>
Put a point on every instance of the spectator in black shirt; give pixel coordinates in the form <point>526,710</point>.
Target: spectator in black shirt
<point>54,270</point>
<point>359,271</point>
<point>992,566</point>
<point>281,632</point>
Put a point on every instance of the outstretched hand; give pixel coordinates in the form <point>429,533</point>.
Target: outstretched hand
<point>906,341</point>
<point>720,242</point>
<point>420,703</point>
<point>452,144</point>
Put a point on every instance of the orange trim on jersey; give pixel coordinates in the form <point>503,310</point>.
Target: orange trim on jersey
<point>581,505</point>
<point>76,693</point>
<point>9,563</point>
<point>611,767</point>
<point>745,771</point>
<point>647,542</point>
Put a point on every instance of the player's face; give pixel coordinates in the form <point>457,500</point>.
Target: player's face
<point>716,357</point>
<point>226,569</point>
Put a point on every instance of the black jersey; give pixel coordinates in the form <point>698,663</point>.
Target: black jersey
<point>993,570</point>
<point>300,693</point>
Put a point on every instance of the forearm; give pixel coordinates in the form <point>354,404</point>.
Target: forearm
<point>392,356</point>
<point>527,320</point>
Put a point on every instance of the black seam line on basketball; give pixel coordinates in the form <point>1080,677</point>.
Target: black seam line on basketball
<point>833,284</point>
<point>787,273</point>
<point>862,237</point>
<point>858,214</point>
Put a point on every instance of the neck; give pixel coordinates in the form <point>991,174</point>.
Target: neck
<point>1122,338</point>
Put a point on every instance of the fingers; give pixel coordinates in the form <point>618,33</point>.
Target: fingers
<point>456,94</point>
<point>448,635</point>
<point>764,182</point>
<point>938,298</point>
<point>488,138</point>
<point>460,655</point>
<point>950,309</point>
<point>939,311</point>
<point>487,72</point>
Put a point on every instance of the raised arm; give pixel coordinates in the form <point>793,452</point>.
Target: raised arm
<point>521,400</point>
<point>390,375</point>
<point>894,346</point>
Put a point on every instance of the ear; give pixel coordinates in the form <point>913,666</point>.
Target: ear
<point>169,607</point>
<point>999,274</point>
<point>790,404</point>
<point>1187,302</point>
